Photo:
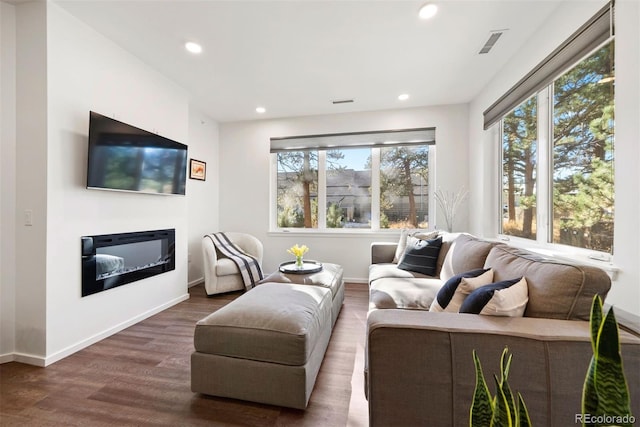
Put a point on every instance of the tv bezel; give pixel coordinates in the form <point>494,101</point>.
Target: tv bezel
<point>170,142</point>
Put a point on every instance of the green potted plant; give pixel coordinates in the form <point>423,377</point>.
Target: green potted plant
<point>504,409</point>
<point>605,396</point>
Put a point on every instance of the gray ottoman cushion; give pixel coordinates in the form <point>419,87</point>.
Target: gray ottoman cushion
<point>273,322</point>
<point>329,277</point>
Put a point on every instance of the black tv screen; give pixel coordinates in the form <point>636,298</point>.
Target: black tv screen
<point>123,157</point>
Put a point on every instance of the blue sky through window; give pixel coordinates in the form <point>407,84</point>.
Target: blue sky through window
<point>355,158</point>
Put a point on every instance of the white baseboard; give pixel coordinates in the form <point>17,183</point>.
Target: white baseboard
<point>108,332</point>
<point>355,280</point>
<point>6,358</point>
<point>196,282</point>
<point>29,359</point>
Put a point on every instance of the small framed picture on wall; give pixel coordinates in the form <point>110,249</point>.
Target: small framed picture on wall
<point>197,170</point>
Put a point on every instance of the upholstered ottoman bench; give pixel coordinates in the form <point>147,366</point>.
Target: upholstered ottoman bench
<point>329,277</point>
<point>266,346</point>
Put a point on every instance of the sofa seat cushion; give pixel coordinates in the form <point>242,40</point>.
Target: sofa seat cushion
<point>557,290</point>
<point>407,293</point>
<point>388,270</point>
<point>274,322</point>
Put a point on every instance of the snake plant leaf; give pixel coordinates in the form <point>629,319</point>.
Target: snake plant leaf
<point>610,382</point>
<point>523,413</point>
<point>589,393</point>
<point>501,410</point>
<point>595,321</point>
<point>504,384</point>
<point>481,407</point>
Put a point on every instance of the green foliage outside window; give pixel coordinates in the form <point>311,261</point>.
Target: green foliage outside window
<point>581,203</point>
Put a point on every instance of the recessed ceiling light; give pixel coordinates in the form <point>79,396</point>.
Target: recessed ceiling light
<point>428,11</point>
<point>261,110</point>
<point>403,97</point>
<point>193,47</point>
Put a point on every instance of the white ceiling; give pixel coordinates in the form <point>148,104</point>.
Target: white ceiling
<point>295,57</point>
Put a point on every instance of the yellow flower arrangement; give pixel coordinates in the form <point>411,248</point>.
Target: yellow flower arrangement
<point>298,252</point>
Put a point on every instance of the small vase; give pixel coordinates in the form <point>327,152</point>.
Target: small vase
<point>299,262</point>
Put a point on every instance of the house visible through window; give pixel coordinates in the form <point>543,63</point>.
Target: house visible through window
<point>369,181</point>
<point>557,136</point>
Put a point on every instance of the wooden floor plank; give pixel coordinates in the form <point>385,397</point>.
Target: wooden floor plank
<point>141,376</point>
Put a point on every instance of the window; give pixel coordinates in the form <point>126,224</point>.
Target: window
<point>557,136</point>
<point>297,195</point>
<point>368,181</point>
<point>519,159</point>
<point>348,188</point>
<point>583,131</point>
<point>404,187</point>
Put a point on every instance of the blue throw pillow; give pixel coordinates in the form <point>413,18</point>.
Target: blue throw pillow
<point>445,294</point>
<point>477,299</point>
<point>421,256</point>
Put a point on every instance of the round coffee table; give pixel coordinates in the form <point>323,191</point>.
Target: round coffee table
<point>308,267</point>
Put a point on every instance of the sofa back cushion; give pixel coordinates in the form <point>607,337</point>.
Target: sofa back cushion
<point>464,253</point>
<point>557,290</point>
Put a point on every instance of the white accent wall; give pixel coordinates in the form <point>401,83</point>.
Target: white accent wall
<point>245,178</point>
<point>63,69</point>
<point>483,147</point>
<point>202,195</point>
<point>7,178</point>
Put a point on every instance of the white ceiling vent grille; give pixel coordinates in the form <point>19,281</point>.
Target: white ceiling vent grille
<point>493,38</point>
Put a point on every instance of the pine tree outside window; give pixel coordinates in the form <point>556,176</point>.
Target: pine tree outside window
<point>358,181</point>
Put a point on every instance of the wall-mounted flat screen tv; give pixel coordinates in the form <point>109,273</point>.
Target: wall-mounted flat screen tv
<point>125,158</point>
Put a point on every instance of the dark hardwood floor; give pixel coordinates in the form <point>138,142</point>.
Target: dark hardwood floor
<point>141,376</point>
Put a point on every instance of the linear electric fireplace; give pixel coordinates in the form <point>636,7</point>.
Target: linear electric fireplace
<point>112,260</point>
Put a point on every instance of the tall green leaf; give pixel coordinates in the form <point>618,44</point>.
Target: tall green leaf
<point>501,409</point>
<point>610,382</point>
<point>589,393</point>
<point>481,407</point>
<point>523,413</point>
<point>505,365</point>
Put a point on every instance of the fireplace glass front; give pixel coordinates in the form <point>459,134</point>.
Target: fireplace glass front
<point>112,260</point>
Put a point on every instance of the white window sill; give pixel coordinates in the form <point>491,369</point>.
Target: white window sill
<point>336,232</point>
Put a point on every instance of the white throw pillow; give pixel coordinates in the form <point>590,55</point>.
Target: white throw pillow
<point>466,286</point>
<point>509,302</point>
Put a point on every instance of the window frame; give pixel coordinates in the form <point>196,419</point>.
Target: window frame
<point>322,229</point>
<point>544,243</point>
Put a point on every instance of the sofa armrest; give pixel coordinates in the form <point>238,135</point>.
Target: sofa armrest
<point>419,367</point>
<point>383,252</point>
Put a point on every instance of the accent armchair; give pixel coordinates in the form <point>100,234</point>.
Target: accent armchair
<point>221,274</point>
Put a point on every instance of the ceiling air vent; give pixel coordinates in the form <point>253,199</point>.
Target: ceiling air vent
<point>341,101</point>
<point>493,38</point>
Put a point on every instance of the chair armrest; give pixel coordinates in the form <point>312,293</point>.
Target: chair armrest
<point>253,246</point>
<point>383,252</point>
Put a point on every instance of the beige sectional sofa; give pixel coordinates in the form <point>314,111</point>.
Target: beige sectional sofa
<point>419,369</point>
